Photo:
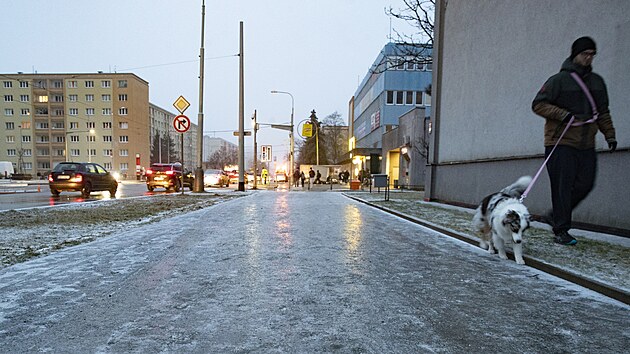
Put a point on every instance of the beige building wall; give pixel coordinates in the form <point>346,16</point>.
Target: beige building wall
<point>103,118</point>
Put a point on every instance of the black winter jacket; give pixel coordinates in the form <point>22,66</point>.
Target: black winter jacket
<point>561,95</point>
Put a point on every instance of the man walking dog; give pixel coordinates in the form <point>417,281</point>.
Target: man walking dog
<point>573,114</point>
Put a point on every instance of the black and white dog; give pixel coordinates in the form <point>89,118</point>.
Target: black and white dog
<point>501,218</point>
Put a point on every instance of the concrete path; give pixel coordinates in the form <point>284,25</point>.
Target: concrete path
<point>297,272</point>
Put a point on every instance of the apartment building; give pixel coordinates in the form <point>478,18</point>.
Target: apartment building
<point>49,118</point>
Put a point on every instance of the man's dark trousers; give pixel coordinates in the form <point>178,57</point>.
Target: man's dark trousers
<point>572,177</point>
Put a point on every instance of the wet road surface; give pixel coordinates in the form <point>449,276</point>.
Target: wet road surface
<point>297,272</point>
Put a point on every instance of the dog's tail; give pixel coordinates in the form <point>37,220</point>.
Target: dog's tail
<point>517,188</point>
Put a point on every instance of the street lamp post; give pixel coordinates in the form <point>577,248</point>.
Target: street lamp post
<point>290,137</point>
<point>91,131</point>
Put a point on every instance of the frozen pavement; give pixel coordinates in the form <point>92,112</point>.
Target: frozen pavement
<point>295,272</point>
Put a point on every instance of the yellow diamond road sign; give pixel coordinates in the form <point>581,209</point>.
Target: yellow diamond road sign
<point>181,104</point>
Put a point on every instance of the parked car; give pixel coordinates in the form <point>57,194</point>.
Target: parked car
<point>84,177</point>
<point>233,175</point>
<point>168,176</point>
<point>281,177</point>
<point>215,178</point>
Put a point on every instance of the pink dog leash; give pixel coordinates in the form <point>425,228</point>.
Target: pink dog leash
<point>571,123</point>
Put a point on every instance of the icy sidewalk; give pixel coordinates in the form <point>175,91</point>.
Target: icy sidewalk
<point>601,257</point>
<point>289,272</point>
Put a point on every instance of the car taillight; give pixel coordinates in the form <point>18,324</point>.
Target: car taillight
<point>148,172</point>
<point>50,178</point>
<point>76,178</point>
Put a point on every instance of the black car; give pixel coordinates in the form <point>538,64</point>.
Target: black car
<point>84,177</point>
<point>168,176</point>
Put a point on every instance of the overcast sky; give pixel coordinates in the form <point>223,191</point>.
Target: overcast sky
<point>316,50</point>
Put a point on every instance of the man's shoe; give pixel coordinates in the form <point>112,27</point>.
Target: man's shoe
<point>564,238</point>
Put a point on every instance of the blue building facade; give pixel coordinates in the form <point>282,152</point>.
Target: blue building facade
<point>395,84</point>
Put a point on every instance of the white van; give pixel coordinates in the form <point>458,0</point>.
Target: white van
<point>6,169</point>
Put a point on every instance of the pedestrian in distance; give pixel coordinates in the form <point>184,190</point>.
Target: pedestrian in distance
<point>567,107</point>
<point>318,178</point>
<point>296,177</point>
<point>311,177</point>
<point>264,175</point>
<point>302,178</point>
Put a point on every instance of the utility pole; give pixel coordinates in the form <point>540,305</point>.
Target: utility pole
<point>255,151</point>
<point>198,187</point>
<point>241,119</point>
<point>316,124</point>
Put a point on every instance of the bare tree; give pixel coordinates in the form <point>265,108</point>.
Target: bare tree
<point>414,48</point>
<point>222,157</point>
<point>334,126</point>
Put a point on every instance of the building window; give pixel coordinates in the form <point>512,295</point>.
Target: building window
<point>25,112</point>
<point>122,111</point>
<point>75,152</point>
<point>74,138</point>
<point>106,83</point>
<point>60,139</point>
<point>418,98</point>
<point>91,139</point>
<point>23,84</point>
<point>42,139</point>
<point>24,98</point>
<point>107,111</point>
<point>8,84</point>
<point>122,97</point>
<point>107,138</point>
<point>9,125</point>
<point>123,125</point>
<point>122,83</point>
<point>10,139</point>
<point>390,97</point>
<point>26,138</point>
<point>41,111</point>
<point>72,84</point>
<point>43,152</point>
<point>11,152</point>
<point>89,111</point>
<point>90,125</point>
<point>107,165</point>
<point>41,125</point>
<point>59,152</point>
<point>123,139</point>
<point>123,152</point>
<point>28,152</point>
<point>42,99</point>
<point>57,84</point>
<point>89,83</point>
<point>107,125</point>
<point>27,165</point>
<point>8,111</point>
<point>58,112</point>
<point>92,152</point>
<point>89,98</point>
<point>57,98</point>
<point>74,125</point>
<point>58,125</point>
<point>399,97</point>
<point>8,98</point>
<point>409,97</point>
<point>427,99</point>
<point>73,111</point>
<point>106,98</point>
<point>107,152</point>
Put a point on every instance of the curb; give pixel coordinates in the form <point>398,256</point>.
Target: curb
<point>599,287</point>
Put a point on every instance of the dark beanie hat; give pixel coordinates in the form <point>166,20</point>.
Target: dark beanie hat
<point>581,44</point>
